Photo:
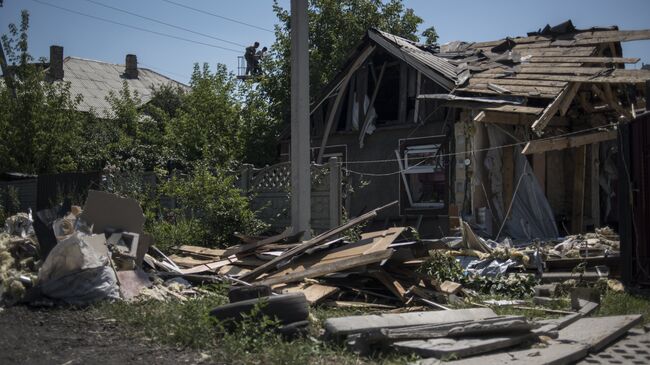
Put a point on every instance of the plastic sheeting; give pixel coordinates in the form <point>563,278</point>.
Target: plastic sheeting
<point>531,215</point>
<point>76,273</point>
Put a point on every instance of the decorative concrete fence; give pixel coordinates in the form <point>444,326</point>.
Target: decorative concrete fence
<point>269,189</point>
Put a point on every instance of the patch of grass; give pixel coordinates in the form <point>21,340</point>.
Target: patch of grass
<point>616,303</point>
<point>188,325</point>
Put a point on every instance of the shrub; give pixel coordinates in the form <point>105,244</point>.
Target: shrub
<point>211,206</point>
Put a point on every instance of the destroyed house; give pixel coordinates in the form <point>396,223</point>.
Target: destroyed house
<point>517,136</point>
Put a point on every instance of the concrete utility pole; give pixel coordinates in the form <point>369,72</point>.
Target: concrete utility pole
<point>300,155</point>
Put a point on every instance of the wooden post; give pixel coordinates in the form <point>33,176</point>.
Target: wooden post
<point>348,115</point>
<point>402,92</point>
<point>362,91</point>
<point>300,156</point>
<point>577,211</point>
<point>595,185</point>
<point>416,112</point>
<point>335,192</point>
<point>508,171</point>
<point>539,169</point>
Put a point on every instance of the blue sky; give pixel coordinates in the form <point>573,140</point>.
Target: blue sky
<point>476,20</point>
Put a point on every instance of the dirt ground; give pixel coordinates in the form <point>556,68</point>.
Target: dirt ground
<point>67,336</point>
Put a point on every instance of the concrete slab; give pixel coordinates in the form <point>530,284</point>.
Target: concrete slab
<point>598,332</point>
<point>336,327</point>
<point>555,354</point>
<point>633,349</point>
<point>459,348</point>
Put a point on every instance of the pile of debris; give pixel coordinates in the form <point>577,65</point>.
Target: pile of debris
<point>80,256</point>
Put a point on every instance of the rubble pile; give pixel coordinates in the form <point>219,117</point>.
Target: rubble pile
<point>81,256</point>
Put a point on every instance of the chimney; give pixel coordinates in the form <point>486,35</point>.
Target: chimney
<point>56,63</point>
<point>131,68</point>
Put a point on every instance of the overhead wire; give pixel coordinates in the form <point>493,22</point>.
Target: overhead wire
<point>164,23</point>
<point>218,16</point>
<point>134,27</point>
<point>461,152</point>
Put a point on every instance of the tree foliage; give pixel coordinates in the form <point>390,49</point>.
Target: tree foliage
<point>39,129</point>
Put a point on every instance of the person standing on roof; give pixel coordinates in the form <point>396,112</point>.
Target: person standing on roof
<point>257,69</point>
<point>249,56</point>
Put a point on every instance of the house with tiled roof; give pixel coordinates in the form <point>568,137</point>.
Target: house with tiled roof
<point>95,80</point>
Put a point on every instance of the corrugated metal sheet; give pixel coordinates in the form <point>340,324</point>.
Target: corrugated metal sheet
<point>94,80</point>
<point>26,191</point>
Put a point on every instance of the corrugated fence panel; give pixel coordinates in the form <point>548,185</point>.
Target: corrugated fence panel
<point>26,191</point>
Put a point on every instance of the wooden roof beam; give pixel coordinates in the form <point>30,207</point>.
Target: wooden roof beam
<point>495,117</point>
<point>568,93</point>
<point>560,143</point>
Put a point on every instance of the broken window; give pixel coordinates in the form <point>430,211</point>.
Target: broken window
<point>424,176</point>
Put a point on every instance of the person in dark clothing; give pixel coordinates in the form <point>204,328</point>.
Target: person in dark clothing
<point>249,56</point>
<point>257,70</point>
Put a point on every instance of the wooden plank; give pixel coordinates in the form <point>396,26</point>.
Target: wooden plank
<point>544,59</point>
<point>185,261</point>
<point>391,284</point>
<point>352,86</point>
<point>366,120</point>
<point>616,76</point>
<point>515,89</point>
<point>578,205</point>
<point>508,173</point>
<point>201,251</point>
<point>362,91</point>
<point>324,269</point>
<point>595,184</point>
<point>552,109</point>
<point>515,119</point>
<point>344,84</point>
<point>528,93</point>
<point>210,266</point>
<point>568,98</point>
<point>416,112</point>
<point>560,143</point>
<point>288,232</point>
<point>311,243</point>
<point>372,248</point>
<point>509,82</point>
<point>402,92</point>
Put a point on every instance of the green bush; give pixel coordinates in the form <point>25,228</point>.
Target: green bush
<point>210,206</point>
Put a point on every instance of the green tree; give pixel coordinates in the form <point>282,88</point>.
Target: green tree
<point>335,27</point>
<point>430,35</point>
<point>207,126</point>
<point>39,127</point>
<point>260,130</point>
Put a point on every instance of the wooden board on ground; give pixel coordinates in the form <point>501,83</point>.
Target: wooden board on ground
<point>254,274</point>
<point>202,251</point>
<point>373,247</point>
<point>212,266</point>
<point>188,261</point>
<point>253,245</point>
<point>314,293</point>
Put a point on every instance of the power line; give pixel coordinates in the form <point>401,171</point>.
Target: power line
<point>135,27</point>
<point>462,152</point>
<point>164,23</point>
<point>218,16</point>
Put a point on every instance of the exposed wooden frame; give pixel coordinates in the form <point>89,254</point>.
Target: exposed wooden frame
<point>560,143</point>
<point>595,184</point>
<point>366,120</point>
<point>344,83</point>
<point>578,206</point>
<point>416,112</point>
<point>567,93</point>
<point>568,99</point>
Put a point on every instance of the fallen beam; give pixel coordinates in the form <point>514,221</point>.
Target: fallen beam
<point>560,143</point>
<point>568,92</point>
<point>509,118</point>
